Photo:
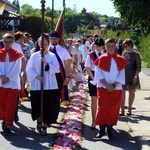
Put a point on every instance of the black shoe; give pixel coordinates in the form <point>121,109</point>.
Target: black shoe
<point>3,125</point>
<point>43,131</point>
<point>7,131</point>
<point>110,135</point>
<point>99,135</point>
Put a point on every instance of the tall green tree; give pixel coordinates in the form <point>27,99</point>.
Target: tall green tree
<point>27,9</point>
<point>136,13</point>
<point>72,20</point>
<point>89,17</point>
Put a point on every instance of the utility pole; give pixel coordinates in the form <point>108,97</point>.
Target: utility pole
<point>64,3</point>
<point>52,14</point>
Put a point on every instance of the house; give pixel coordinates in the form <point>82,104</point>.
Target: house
<point>103,24</point>
<point>9,15</point>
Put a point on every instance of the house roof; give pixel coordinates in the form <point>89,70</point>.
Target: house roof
<point>8,13</point>
<point>2,8</point>
<point>9,3</point>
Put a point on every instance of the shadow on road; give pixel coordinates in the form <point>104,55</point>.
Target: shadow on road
<point>26,138</point>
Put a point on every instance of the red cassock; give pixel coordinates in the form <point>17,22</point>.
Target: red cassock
<point>8,96</point>
<point>109,105</point>
<point>109,102</point>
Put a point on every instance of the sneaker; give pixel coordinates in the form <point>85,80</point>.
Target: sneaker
<point>3,125</point>
<point>110,135</point>
<point>99,135</point>
<point>7,131</point>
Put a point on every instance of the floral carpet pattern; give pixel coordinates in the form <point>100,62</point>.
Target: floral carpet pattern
<point>70,136</point>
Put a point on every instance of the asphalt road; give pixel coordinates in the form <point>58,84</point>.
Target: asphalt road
<point>25,137</point>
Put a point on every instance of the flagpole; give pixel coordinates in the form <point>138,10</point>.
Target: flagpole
<point>60,25</point>
<point>42,55</point>
<point>64,6</point>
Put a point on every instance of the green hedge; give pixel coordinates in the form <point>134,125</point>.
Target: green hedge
<point>144,48</point>
<point>32,24</point>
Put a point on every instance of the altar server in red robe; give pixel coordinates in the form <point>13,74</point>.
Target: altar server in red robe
<point>10,66</point>
<point>110,75</point>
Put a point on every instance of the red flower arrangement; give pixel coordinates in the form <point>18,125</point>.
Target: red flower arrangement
<point>69,136</point>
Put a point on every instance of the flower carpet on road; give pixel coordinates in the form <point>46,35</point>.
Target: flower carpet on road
<point>70,136</point>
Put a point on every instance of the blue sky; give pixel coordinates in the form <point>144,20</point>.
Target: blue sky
<point>103,7</point>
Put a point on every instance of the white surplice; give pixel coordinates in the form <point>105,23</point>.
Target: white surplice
<point>33,70</point>
<point>112,76</point>
<point>10,70</point>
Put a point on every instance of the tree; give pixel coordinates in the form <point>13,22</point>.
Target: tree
<point>48,12</point>
<point>72,20</point>
<point>81,30</point>
<point>90,17</point>
<point>135,13</point>
<point>27,9</point>
<point>90,25</point>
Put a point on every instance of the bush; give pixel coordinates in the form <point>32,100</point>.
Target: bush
<point>144,49</point>
<point>117,34</point>
<point>32,24</point>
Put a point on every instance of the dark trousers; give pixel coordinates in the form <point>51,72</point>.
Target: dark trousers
<point>60,87</point>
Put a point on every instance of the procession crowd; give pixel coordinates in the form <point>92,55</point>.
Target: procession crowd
<point>45,72</point>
